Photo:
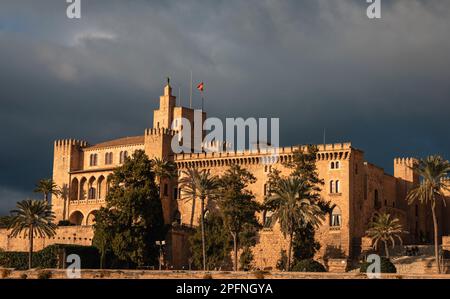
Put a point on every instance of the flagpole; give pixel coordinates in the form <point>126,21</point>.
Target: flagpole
<point>190,97</point>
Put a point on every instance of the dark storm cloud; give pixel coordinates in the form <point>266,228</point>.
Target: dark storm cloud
<point>315,64</point>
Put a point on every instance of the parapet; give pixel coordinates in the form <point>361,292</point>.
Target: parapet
<point>408,161</point>
<point>159,131</point>
<point>335,146</point>
<point>70,142</point>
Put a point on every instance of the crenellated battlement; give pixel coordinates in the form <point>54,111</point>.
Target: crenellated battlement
<point>408,161</point>
<point>335,146</point>
<point>160,131</point>
<point>70,142</point>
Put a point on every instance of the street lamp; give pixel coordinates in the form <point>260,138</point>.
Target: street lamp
<point>160,244</point>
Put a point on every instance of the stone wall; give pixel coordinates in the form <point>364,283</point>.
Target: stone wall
<point>76,235</point>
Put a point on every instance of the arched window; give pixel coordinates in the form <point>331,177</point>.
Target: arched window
<point>177,217</point>
<point>336,217</point>
<point>331,186</point>
<point>123,156</point>
<point>267,219</point>
<point>337,165</point>
<point>332,165</point>
<point>93,160</point>
<point>337,189</point>
<point>108,158</point>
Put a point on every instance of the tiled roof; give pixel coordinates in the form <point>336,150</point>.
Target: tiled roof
<point>119,142</point>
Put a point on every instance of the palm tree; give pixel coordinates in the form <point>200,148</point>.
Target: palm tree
<point>385,229</point>
<point>47,187</point>
<point>293,209</point>
<point>200,184</point>
<point>35,217</point>
<point>189,189</point>
<point>164,169</point>
<point>431,188</point>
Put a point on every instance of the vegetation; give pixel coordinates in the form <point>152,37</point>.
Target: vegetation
<point>386,266</point>
<point>200,184</point>
<point>217,245</point>
<point>34,218</point>
<point>47,257</point>
<point>308,265</point>
<point>163,169</point>
<point>430,190</point>
<point>48,188</point>
<point>304,171</point>
<point>132,220</point>
<point>282,261</point>
<point>385,229</point>
<point>293,209</point>
<point>44,274</point>
<point>238,207</point>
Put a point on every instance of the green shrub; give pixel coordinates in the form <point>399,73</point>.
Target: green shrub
<point>4,273</point>
<point>207,276</point>
<point>260,274</point>
<point>386,266</point>
<point>65,223</point>
<point>308,265</point>
<point>47,257</point>
<point>44,274</point>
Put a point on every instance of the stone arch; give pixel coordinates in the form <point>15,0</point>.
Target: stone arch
<point>90,219</point>
<point>83,189</point>
<point>76,218</point>
<point>336,217</point>
<point>74,189</point>
<point>101,187</point>
<point>92,190</point>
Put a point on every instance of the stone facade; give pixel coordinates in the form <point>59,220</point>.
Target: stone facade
<point>357,188</point>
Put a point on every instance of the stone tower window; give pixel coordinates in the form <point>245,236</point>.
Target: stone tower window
<point>93,160</point>
<point>337,165</point>
<point>123,156</point>
<point>337,188</point>
<point>108,158</point>
<point>332,165</point>
<point>331,186</point>
<point>336,217</point>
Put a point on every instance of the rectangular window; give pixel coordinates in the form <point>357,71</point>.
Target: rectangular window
<point>175,193</point>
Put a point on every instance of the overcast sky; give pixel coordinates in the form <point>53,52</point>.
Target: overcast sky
<point>315,64</point>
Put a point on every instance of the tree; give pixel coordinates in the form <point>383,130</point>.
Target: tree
<point>132,219</point>
<point>189,190</point>
<point>217,244</point>
<point>164,169</point>
<point>293,209</point>
<point>385,229</point>
<point>200,184</point>
<point>237,204</point>
<point>303,167</point>
<point>47,187</point>
<point>34,217</point>
<point>430,190</point>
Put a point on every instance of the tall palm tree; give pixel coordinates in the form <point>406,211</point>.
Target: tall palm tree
<point>293,209</point>
<point>47,187</point>
<point>189,189</point>
<point>34,217</point>
<point>204,186</point>
<point>431,189</point>
<point>164,169</point>
<point>385,229</point>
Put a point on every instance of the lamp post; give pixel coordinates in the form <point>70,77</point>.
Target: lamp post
<point>160,244</point>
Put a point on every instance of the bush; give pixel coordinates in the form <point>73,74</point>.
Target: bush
<point>44,274</point>
<point>207,276</point>
<point>308,265</point>
<point>47,257</point>
<point>386,266</point>
<point>4,273</point>
<point>260,274</point>
<point>65,223</point>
